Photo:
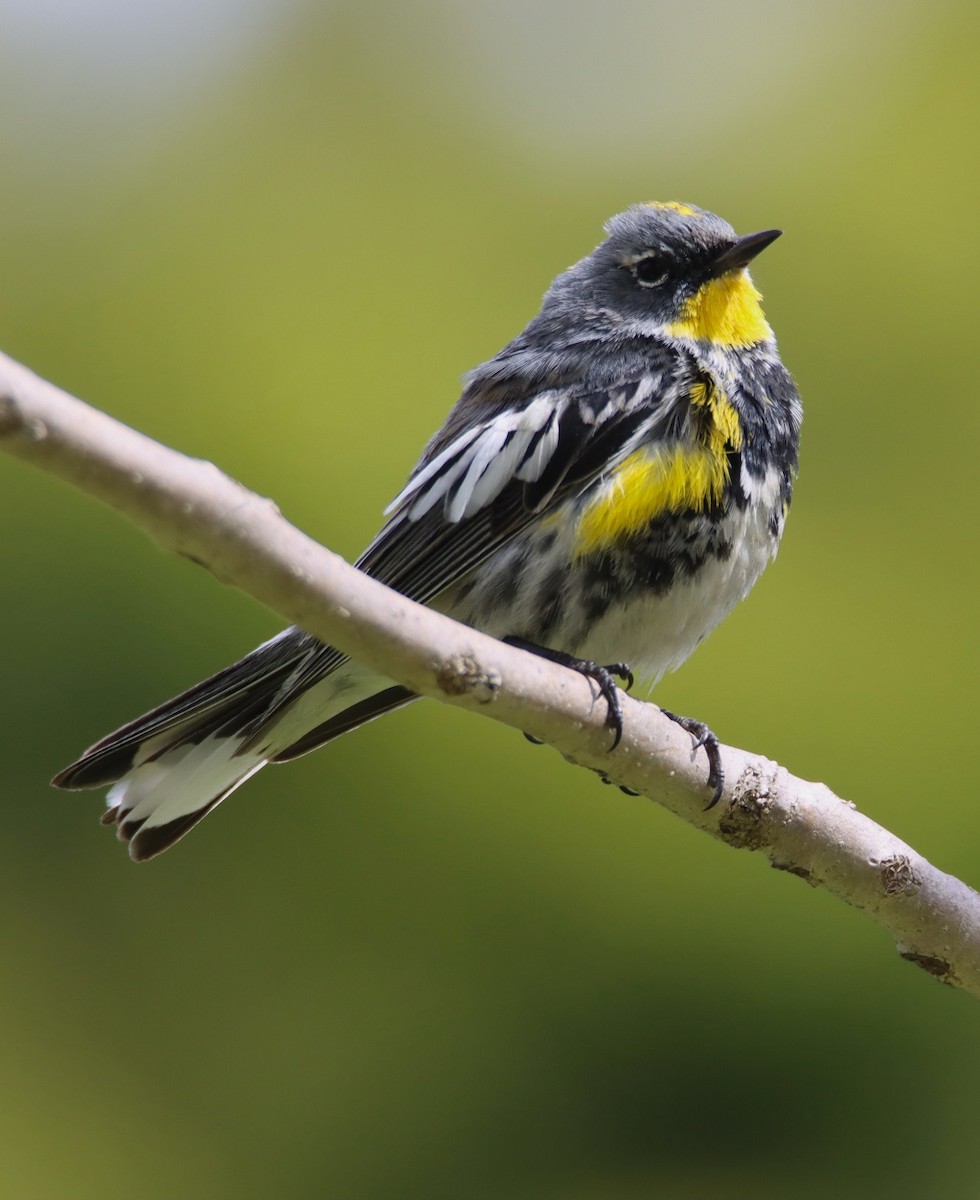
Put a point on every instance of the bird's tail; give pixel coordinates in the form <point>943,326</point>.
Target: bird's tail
<point>169,768</point>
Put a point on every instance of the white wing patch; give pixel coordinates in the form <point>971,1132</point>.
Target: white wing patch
<point>518,444</point>
<point>533,465</point>
<point>474,469</point>
<point>436,470</point>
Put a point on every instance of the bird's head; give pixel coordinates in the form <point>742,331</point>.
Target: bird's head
<point>675,270</point>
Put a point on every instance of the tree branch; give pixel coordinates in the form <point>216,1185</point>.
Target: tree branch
<point>189,506</point>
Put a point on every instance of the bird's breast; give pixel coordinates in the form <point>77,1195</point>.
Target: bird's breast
<point>690,474</point>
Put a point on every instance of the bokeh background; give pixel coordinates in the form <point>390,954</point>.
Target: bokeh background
<point>434,961</point>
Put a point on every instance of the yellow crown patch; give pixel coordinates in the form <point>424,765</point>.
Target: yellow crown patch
<point>674,206</point>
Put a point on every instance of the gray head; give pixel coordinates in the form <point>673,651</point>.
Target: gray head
<point>675,268</point>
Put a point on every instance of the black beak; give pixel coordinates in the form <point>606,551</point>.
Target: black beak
<point>743,251</point>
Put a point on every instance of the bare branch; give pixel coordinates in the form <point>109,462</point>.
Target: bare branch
<point>189,506</point>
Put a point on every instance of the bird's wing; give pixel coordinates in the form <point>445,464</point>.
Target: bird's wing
<point>470,498</point>
<point>472,492</point>
<point>500,476</point>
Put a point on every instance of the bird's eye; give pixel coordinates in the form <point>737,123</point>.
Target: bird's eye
<point>650,271</point>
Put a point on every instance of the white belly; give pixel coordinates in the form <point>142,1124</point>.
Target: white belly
<point>655,634</point>
<point>652,628</point>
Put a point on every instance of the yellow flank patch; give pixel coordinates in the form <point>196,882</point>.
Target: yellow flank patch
<point>674,206</point>
<point>725,312</point>
<point>724,429</point>
<point>666,479</point>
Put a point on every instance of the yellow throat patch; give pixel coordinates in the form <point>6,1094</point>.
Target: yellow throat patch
<point>725,312</point>
<point>670,479</point>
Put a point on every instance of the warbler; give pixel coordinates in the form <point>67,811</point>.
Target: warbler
<point>604,492</point>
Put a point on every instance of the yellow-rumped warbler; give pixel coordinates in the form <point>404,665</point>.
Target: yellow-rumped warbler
<point>608,486</point>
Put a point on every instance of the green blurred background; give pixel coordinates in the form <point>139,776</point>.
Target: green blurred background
<point>434,961</point>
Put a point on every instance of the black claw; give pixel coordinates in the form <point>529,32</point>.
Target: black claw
<point>622,671</point>
<point>602,677</point>
<point>533,740</point>
<point>627,791</point>
<point>712,747</point>
<point>604,680</point>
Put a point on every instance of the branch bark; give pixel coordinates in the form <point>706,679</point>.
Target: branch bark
<point>190,507</point>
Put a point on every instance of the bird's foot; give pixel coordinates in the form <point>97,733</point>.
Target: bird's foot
<point>604,677</point>
<point>704,737</point>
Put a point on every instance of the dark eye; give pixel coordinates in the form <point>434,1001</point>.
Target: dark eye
<point>650,271</point>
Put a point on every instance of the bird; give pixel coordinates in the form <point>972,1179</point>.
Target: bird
<point>604,492</point>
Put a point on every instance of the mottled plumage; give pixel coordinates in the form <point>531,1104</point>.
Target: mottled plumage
<point>609,485</point>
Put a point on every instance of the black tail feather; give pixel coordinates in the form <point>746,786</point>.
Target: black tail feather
<point>358,714</point>
<point>241,691</point>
